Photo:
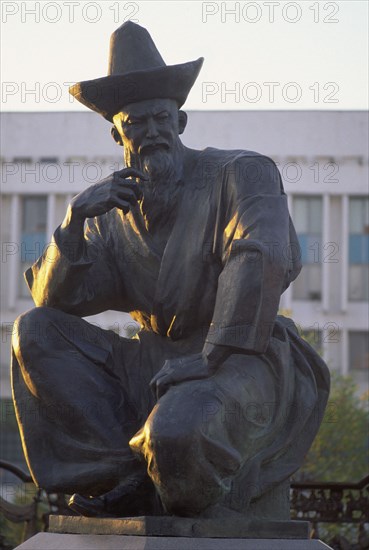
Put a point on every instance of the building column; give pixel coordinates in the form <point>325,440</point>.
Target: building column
<point>344,257</point>
<point>50,218</point>
<point>14,259</point>
<point>345,367</point>
<point>325,242</point>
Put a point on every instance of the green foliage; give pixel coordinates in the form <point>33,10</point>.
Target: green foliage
<point>340,451</point>
<point>12,533</point>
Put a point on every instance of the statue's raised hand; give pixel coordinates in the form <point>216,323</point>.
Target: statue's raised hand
<point>181,369</point>
<point>190,367</point>
<point>115,191</point>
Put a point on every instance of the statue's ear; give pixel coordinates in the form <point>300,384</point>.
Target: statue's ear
<point>182,121</point>
<point>116,136</point>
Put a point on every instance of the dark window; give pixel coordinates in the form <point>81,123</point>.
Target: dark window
<point>33,234</point>
<point>359,249</point>
<point>49,160</point>
<point>22,160</point>
<point>359,350</point>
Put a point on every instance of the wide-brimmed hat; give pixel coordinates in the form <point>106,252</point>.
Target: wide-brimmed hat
<point>136,72</point>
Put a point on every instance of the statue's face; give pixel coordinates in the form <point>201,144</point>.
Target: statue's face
<point>148,126</point>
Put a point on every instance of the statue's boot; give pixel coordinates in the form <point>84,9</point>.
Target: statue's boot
<point>134,497</point>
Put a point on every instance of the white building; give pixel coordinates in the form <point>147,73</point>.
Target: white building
<point>322,156</point>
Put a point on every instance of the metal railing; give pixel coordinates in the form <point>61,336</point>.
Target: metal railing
<point>318,503</point>
<point>25,513</point>
<point>29,513</point>
<point>334,503</point>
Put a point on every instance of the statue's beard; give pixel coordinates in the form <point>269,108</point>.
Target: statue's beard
<point>161,190</point>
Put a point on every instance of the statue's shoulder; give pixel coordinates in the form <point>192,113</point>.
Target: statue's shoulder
<point>228,157</point>
<point>250,171</point>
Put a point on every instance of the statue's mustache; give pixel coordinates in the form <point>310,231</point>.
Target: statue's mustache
<point>153,147</point>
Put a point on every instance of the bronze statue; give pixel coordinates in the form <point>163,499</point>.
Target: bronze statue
<point>218,399</point>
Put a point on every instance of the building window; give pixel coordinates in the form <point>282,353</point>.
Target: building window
<point>359,350</point>
<point>33,235</point>
<point>307,219</point>
<point>22,160</point>
<point>358,249</point>
<point>49,160</point>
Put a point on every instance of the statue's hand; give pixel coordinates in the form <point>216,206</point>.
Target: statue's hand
<point>115,191</point>
<point>174,371</point>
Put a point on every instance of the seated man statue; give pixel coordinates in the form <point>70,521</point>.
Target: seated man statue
<point>217,399</point>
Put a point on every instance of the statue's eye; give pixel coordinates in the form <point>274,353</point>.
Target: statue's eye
<point>161,117</point>
<point>132,122</point>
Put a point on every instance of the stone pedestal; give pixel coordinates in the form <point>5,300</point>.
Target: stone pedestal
<point>172,526</point>
<point>172,533</point>
<point>54,541</point>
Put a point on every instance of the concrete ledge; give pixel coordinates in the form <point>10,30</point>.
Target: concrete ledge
<point>172,526</point>
<point>55,541</point>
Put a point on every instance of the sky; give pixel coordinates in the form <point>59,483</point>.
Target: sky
<point>258,54</point>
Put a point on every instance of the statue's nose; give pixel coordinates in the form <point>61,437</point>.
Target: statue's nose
<point>152,131</point>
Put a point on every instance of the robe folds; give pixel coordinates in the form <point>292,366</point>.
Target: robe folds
<point>231,253</point>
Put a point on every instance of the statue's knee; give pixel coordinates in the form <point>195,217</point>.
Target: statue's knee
<point>176,466</point>
<point>30,327</point>
<point>170,440</point>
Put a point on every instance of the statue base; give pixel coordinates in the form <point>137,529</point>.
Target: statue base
<point>173,526</point>
<point>168,532</point>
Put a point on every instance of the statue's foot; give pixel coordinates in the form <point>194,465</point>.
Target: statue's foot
<point>90,507</point>
<point>135,496</point>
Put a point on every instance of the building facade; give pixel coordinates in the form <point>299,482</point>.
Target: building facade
<point>46,158</point>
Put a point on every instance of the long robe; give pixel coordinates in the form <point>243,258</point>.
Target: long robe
<point>231,253</point>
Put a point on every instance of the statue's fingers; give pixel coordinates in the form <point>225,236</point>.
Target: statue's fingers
<point>183,362</point>
<point>128,194</point>
<point>130,172</point>
<point>164,371</point>
<point>131,184</point>
<point>153,388</point>
<point>154,381</point>
<point>121,179</point>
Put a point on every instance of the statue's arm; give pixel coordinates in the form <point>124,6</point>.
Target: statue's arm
<point>255,258</point>
<point>77,273</point>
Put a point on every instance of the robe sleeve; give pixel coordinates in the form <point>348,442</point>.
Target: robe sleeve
<point>255,223</point>
<point>86,285</point>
